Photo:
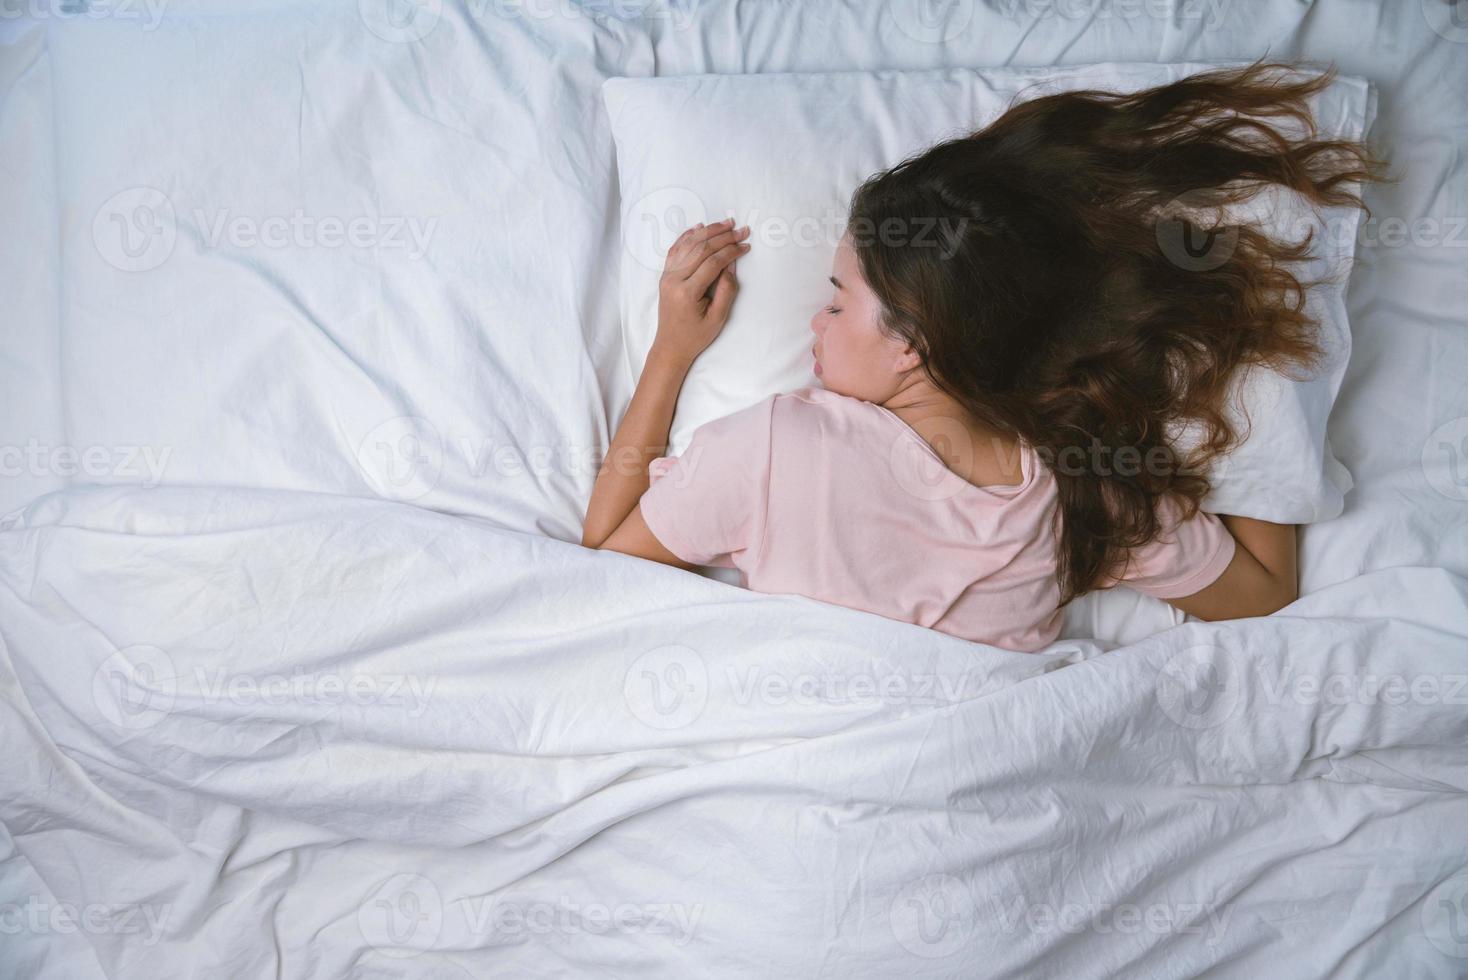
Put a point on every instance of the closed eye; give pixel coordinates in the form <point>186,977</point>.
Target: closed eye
<point>832,310</point>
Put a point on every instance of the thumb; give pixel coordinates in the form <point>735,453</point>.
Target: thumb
<point>725,288</point>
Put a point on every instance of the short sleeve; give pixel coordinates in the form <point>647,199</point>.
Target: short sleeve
<point>1185,558</point>
<point>711,500</point>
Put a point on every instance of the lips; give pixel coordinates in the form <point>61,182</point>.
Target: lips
<point>818,361</point>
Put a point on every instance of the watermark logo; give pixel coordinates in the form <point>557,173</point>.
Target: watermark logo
<point>916,460</point>
<point>1394,231</point>
<point>934,916</point>
<point>1124,918</point>
<point>410,235</point>
<point>1445,917</point>
<point>1447,18</point>
<point>932,21</point>
<point>1445,459</point>
<point>481,457</point>
<point>755,685</point>
<point>144,925</point>
<point>400,21</point>
<point>1187,244</point>
<point>1199,687</point>
<point>406,915</point>
<point>1210,12</point>
<point>668,687</point>
<point>943,233</point>
<point>148,12</point>
<point>1343,688</point>
<point>135,688</point>
<point>505,919</point>
<point>655,220</point>
<point>915,464</point>
<point>147,464</point>
<point>135,230</point>
<point>625,10</point>
<point>409,692</point>
<point>402,458</point>
<point>652,224</point>
<point>403,917</point>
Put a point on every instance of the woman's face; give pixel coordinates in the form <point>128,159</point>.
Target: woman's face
<point>853,356</point>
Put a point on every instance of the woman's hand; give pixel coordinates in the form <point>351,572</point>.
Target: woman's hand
<point>698,288</point>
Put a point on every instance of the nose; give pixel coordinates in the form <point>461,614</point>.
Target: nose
<point>815,325</point>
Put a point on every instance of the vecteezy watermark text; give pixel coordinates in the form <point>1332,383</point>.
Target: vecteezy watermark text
<point>406,915</point>
<point>1125,918</point>
<point>144,922</point>
<point>148,12</point>
<point>302,230</point>
<point>38,459</point>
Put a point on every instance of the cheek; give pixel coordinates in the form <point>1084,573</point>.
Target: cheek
<point>854,362</point>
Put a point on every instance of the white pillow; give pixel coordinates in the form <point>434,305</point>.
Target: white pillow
<point>784,152</point>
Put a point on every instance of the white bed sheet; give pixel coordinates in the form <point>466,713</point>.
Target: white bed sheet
<point>296,254</point>
<point>1329,831</point>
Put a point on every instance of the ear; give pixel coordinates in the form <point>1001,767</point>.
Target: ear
<point>906,360</point>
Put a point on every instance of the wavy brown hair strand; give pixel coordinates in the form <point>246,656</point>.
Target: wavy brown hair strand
<point>1065,306</point>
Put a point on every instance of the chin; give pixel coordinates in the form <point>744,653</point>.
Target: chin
<point>835,386</point>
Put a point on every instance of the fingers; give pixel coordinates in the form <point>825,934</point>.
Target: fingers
<point>677,260</point>
<point>725,289</point>
<point>697,243</point>
<point>691,247</point>
<point>713,264</point>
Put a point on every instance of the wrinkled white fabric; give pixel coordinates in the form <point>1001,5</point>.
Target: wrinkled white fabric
<point>306,736</point>
<point>1030,818</point>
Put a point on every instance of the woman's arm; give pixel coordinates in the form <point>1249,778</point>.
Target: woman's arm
<point>689,318</point>
<point>1261,578</point>
<point>641,438</point>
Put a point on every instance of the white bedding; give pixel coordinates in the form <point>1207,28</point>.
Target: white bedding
<point>798,835</point>
<point>306,737</point>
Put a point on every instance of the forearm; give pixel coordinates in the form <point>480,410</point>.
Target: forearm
<point>641,437</point>
<point>1272,545</point>
<point>1261,578</point>
<point>695,293</point>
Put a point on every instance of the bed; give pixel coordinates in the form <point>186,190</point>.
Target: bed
<point>310,335</point>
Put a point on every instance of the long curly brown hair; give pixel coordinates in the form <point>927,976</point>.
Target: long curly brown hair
<point>1071,305</point>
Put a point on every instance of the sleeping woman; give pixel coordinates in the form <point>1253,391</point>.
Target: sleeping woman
<point>994,435</point>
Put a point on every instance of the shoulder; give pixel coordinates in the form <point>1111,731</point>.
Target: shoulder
<point>749,417</point>
<point>813,413</point>
<point>740,432</point>
<point>819,399</point>
<point>822,410</point>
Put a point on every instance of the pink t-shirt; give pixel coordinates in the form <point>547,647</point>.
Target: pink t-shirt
<point>838,499</point>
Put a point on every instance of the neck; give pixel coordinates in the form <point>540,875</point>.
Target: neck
<point>919,400</point>
<point>977,452</point>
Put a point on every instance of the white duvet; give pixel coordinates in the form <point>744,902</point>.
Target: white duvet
<point>278,734</point>
<point>301,674</point>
